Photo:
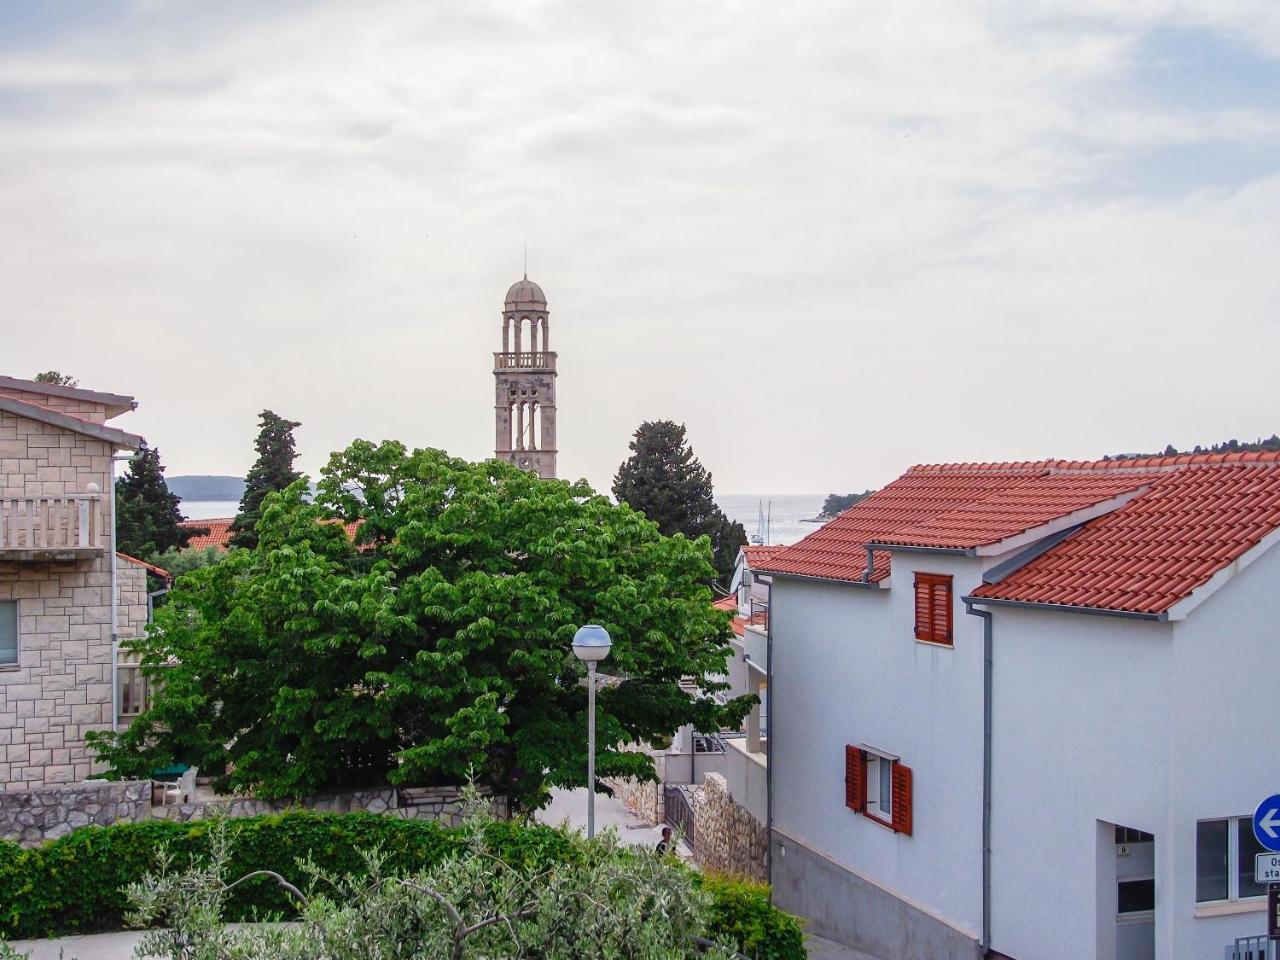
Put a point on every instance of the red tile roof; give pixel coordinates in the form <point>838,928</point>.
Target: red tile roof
<point>219,534</point>
<point>1191,516</point>
<point>1155,551</point>
<point>158,571</point>
<point>730,603</point>
<point>757,555</point>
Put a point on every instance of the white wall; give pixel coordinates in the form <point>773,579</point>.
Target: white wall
<point>848,669</point>
<point>1144,724</point>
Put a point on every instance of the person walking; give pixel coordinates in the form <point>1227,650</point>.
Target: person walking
<point>665,843</point>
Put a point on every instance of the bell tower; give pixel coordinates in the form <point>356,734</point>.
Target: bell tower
<point>524,372</point>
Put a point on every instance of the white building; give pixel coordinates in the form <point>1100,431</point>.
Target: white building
<point>1064,773</point>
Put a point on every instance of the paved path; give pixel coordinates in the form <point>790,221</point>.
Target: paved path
<point>820,949</point>
<point>99,946</point>
<point>570,806</point>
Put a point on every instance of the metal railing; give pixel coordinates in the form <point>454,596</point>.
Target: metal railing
<point>759,613</point>
<point>679,813</point>
<point>1251,948</point>
<point>43,524</point>
<point>525,360</point>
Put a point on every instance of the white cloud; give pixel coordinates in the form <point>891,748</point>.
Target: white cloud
<point>835,238</point>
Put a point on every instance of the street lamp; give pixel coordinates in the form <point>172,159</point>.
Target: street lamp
<point>591,645</point>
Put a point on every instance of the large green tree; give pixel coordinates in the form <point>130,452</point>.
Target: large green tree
<point>273,470</point>
<point>414,624</point>
<point>669,485</point>
<point>147,514</point>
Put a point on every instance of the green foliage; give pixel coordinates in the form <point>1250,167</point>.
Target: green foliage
<point>742,915</point>
<point>666,482</point>
<point>188,559</point>
<point>272,471</point>
<point>435,644</point>
<point>1271,444</point>
<point>838,503</point>
<point>77,884</point>
<point>56,378</point>
<point>147,514</point>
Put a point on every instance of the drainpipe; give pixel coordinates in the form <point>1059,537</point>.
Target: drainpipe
<point>866,574</point>
<point>115,602</point>
<point>987,661</point>
<point>768,743</point>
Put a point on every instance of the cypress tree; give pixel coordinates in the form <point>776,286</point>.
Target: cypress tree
<point>273,470</point>
<point>667,483</point>
<point>147,514</point>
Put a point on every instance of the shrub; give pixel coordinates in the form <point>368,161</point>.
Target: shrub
<point>76,884</point>
<point>741,914</point>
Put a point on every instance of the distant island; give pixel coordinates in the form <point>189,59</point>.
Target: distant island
<point>838,503</point>
<point>205,487</point>
<point>1272,443</point>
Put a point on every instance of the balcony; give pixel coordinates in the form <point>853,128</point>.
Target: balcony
<point>40,529</point>
<point>541,360</point>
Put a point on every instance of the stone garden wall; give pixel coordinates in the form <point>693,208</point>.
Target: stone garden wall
<point>33,816</point>
<point>642,797</point>
<point>728,838</point>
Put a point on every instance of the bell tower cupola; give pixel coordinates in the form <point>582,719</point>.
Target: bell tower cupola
<point>524,372</point>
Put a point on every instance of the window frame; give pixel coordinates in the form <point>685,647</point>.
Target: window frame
<point>1234,826</point>
<point>891,775</point>
<point>16,662</point>
<point>926,632</point>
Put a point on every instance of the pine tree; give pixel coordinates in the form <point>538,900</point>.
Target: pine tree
<point>273,470</point>
<point>666,482</point>
<point>56,378</point>
<point>147,514</point>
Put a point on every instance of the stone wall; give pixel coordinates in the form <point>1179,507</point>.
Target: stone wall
<point>61,687</point>
<point>642,797</point>
<point>728,839</point>
<point>32,816</point>
<point>422,803</point>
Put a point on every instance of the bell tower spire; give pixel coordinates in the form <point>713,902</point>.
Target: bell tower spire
<point>524,373</point>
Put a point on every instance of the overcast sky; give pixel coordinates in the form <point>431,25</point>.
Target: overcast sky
<point>835,238</point>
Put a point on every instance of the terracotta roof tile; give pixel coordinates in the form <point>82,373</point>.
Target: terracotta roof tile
<point>1190,516</point>
<point>219,534</point>
<point>1159,548</point>
<point>757,555</point>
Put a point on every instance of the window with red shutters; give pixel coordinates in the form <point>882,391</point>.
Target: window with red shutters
<point>933,608</point>
<point>901,799</point>
<point>855,779</point>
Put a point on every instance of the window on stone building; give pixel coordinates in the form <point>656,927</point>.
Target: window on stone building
<point>8,633</point>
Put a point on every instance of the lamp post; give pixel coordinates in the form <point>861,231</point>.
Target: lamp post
<point>591,645</point>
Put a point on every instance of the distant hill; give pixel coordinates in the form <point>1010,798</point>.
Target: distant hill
<point>204,487</point>
<point>1228,446</point>
<point>838,503</point>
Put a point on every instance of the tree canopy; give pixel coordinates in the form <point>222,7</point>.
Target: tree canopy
<point>414,624</point>
<point>838,503</point>
<point>667,483</point>
<point>56,378</point>
<point>273,470</point>
<point>147,515</point>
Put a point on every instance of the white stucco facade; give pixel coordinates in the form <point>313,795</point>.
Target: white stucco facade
<point>1098,721</point>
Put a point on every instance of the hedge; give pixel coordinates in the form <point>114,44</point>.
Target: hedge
<point>75,884</point>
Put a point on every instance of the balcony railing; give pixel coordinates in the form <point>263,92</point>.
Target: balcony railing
<point>541,360</point>
<point>759,616</point>
<point>41,528</point>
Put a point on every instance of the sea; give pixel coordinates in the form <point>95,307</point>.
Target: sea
<point>787,515</point>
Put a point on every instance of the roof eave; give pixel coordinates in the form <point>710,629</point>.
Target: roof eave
<point>1066,608</point>
<point>115,403</point>
<point>873,584</point>
<point>1183,607</point>
<point>32,411</point>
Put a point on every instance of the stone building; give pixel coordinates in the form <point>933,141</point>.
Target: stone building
<point>524,372</point>
<point>59,627</point>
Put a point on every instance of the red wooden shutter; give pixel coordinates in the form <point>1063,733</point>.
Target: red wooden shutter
<point>933,607</point>
<point>855,779</point>
<point>901,799</point>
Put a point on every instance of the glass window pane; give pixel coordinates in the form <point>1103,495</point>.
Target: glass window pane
<point>886,787</point>
<point>1249,848</point>
<point>8,632</point>
<point>1135,896</point>
<point>1211,860</point>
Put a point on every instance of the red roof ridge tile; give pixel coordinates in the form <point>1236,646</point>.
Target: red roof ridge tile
<point>1249,457</point>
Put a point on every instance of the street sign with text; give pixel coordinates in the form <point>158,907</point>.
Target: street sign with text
<point>1266,868</point>
<point>1266,823</point>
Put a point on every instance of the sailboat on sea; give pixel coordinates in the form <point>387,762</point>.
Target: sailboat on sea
<point>761,536</point>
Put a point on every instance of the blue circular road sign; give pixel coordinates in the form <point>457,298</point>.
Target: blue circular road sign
<point>1266,823</point>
